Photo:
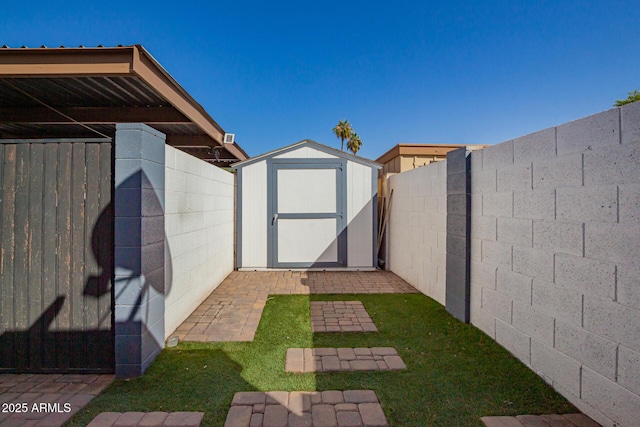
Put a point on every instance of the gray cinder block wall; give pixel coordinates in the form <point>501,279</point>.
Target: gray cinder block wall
<point>458,235</point>
<point>553,257</point>
<point>139,247</point>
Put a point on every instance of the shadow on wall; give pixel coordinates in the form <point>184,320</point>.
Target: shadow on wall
<point>76,331</point>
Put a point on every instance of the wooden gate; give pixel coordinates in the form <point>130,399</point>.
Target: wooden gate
<point>56,259</point>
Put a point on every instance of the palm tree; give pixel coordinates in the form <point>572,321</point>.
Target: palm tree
<point>343,131</point>
<point>354,143</point>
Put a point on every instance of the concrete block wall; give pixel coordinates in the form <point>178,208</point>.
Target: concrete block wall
<point>417,228</point>
<point>199,225</point>
<point>555,244</point>
<point>553,248</point>
<point>139,247</point>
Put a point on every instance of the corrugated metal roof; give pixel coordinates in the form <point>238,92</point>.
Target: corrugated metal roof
<point>78,92</point>
<point>119,77</point>
<point>4,46</point>
<point>178,129</point>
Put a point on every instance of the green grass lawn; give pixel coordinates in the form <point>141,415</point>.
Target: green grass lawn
<point>456,374</point>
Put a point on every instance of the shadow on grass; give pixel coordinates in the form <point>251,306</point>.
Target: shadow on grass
<point>205,376</point>
<point>178,380</point>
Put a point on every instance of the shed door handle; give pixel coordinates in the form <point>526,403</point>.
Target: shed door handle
<point>274,219</point>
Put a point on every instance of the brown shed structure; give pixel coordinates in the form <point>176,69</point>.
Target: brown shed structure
<point>403,157</point>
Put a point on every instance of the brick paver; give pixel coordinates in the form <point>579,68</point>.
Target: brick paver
<point>233,310</point>
<point>50,399</point>
<point>550,420</point>
<point>340,316</point>
<point>331,408</point>
<point>343,359</point>
<point>151,419</point>
<point>147,419</point>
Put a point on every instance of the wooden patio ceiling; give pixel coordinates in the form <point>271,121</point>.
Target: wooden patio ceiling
<point>83,92</point>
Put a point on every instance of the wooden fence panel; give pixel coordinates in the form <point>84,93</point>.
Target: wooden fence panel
<point>56,257</point>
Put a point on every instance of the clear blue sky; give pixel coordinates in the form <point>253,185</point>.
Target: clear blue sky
<point>276,72</point>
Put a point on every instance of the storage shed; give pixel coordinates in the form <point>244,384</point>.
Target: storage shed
<point>307,205</point>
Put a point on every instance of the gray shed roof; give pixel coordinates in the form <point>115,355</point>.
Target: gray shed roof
<point>312,144</point>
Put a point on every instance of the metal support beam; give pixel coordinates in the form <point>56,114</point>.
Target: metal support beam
<point>192,141</point>
<point>94,115</point>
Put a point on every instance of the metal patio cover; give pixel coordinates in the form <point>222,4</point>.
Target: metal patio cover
<point>83,92</point>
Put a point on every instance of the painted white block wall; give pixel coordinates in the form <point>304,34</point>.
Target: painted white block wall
<point>555,243</point>
<point>417,228</point>
<point>199,225</point>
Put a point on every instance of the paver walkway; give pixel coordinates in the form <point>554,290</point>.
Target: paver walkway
<point>343,359</point>
<point>233,310</point>
<point>550,420</point>
<point>340,316</point>
<point>292,409</point>
<point>46,400</point>
<point>147,419</point>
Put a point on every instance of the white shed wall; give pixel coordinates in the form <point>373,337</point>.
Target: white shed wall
<point>359,215</point>
<point>254,215</point>
<point>359,211</point>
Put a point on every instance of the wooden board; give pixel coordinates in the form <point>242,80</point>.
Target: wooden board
<point>34,285</point>
<point>62,320</point>
<point>21,254</point>
<point>49,246</point>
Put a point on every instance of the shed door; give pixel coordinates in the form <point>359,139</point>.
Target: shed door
<point>56,265</point>
<point>306,214</point>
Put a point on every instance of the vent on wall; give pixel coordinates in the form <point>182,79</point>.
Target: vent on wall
<point>229,138</point>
